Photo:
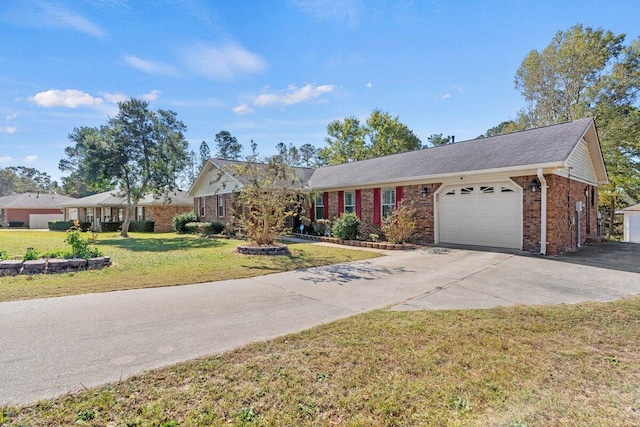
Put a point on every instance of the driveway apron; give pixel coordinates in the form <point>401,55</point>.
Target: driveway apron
<point>52,346</point>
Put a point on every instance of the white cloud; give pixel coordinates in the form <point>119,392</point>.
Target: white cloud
<point>342,11</point>
<point>369,84</point>
<point>30,159</point>
<point>114,98</point>
<point>150,67</point>
<point>70,98</point>
<point>223,62</point>
<point>8,129</point>
<point>242,109</point>
<point>151,96</point>
<point>6,159</point>
<point>12,116</point>
<point>447,96</point>
<point>459,88</point>
<point>293,95</point>
<point>54,16</point>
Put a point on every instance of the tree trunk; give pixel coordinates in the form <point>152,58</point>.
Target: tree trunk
<point>127,220</point>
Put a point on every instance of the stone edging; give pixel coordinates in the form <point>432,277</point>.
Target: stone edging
<point>264,250</point>
<point>357,243</point>
<point>52,266</point>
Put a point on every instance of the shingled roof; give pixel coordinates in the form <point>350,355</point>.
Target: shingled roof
<point>34,201</point>
<point>113,198</point>
<point>546,146</point>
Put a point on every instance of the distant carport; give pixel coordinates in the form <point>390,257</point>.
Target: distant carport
<point>631,223</point>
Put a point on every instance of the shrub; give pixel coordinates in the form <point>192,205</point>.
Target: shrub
<point>346,227</point>
<point>16,223</point>
<point>80,246</point>
<point>194,227</point>
<point>58,253</point>
<point>145,226</point>
<point>181,220</point>
<point>65,225</point>
<point>400,224</point>
<point>31,254</point>
<point>111,226</point>
<point>4,254</point>
<point>321,226</point>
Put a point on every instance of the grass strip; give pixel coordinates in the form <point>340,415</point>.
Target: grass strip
<point>562,365</point>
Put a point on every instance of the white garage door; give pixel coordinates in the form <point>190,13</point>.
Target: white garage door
<point>632,227</point>
<point>487,214</point>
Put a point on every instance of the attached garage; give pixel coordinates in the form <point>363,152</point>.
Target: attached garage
<point>631,224</point>
<point>487,214</point>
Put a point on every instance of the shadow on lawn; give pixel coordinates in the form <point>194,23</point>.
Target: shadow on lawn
<point>162,244</point>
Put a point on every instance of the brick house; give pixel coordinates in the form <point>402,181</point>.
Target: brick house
<point>534,190</point>
<point>32,209</point>
<point>110,207</point>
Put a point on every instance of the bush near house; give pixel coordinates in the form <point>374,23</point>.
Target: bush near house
<point>16,224</point>
<point>206,228</point>
<point>111,226</point>
<point>180,221</point>
<point>346,227</point>
<point>400,224</point>
<point>145,226</point>
<point>65,225</point>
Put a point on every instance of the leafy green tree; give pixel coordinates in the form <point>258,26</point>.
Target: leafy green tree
<point>563,80</point>
<point>228,146</point>
<point>590,73</point>
<point>503,127</point>
<point>22,179</point>
<point>205,154</point>
<point>388,136</point>
<point>308,155</point>
<point>270,194</point>
<point>138,150</point>
<point>382,134</point>
<point>437,140</point>
<point>345,142</point>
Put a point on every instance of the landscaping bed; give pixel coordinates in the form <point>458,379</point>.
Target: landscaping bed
<point>357,243</point>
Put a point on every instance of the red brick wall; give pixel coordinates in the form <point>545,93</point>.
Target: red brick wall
<point>531,205</point>
<point>561,206</point>
<point>163,216</point>
<point>425,229</point>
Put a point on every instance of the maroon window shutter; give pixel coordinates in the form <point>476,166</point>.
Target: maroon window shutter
<point>376,206</point>
<point>399,194</point>
<point>340,202</point>
<point>359,203</point>
<point>325,199</point>
<point>312,214</point>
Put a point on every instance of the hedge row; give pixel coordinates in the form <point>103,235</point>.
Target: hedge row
<point>207,228</point>
<point>65,225</point>
<point>135,226</point>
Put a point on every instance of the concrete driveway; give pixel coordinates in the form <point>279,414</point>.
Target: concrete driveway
<point>52,346</point>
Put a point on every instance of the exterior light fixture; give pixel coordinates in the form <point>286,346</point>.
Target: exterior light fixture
<point>424,191</point>
<point>534,185</point>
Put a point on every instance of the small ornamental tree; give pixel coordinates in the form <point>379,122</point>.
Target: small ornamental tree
<point>400,224</point>
<point>269,195</point>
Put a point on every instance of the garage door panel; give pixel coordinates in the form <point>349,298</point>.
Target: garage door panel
<point>483,214</point>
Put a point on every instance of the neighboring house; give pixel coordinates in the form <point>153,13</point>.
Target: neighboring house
<point>535,190</point>
<point>35,210</point>
<point>110,206</point>
<point>631,223</point>
<point>215,188</point>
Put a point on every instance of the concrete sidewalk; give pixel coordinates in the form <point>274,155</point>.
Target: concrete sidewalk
<point>56,345</point>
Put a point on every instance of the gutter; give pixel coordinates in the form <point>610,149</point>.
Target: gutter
<point>543,213</point>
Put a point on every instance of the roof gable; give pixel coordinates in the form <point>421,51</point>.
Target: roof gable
<point>34,201</point>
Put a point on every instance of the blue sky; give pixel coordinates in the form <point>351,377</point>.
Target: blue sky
<point>271,71</point>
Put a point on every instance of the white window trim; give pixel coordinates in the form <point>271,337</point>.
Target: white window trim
<point>353,199</point>
<point>320,198</point>
<point>392,205</point>
<point>220,204</point>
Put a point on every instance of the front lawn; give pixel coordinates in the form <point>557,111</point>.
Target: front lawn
<point>150,260</point>
<point>565,365</point>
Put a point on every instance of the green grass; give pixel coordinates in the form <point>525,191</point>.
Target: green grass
<point>150,260</point>
<point>566,365</point>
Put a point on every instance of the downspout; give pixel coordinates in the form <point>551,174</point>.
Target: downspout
<point>543,212</point>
